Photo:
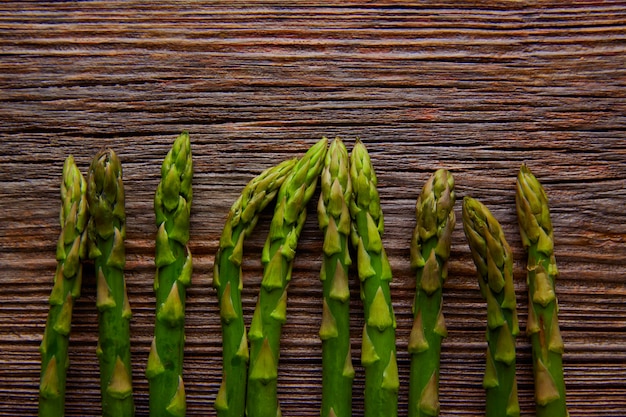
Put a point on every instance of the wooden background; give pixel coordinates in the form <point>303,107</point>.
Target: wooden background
<point>476,87</point>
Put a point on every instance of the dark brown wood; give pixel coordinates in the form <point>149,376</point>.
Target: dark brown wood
<point>478,88</point>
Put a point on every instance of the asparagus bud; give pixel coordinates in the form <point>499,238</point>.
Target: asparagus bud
<point>334,220</point>
<point>172,205</point>
<point>378,350</point>
<point>430,249</point>
<point>278,254</point>
<point>494,263</point>
<point>107,230</point>
<point>542,326</point>
<point>67,286</point>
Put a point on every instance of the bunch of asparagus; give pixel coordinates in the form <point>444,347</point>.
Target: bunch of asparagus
<point>344,214</point>
<point>242,219</point>
<point>92,215</point>
<point>292,183</point>
<point>493,260</point>
<point>93,225</point>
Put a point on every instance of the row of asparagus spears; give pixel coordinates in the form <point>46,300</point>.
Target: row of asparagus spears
<point>351,219</point>
<point>93,227</point>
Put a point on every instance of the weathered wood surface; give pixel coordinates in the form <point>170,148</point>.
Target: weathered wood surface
<point>477,89</point>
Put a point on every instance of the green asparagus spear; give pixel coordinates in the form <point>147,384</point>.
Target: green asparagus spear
<point>542,326</point>
<point>430,249</point>
<point>334,220</point>
<point>172,205</point>
<point>494,263</point>
<point>107,230</point>
<point>242,218</point>
<point>67,282</point>
<point>277,257</point>
<point>378,349</point>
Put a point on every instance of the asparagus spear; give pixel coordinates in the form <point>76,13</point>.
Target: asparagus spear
<point>494,263</point>
<point>334,220</point>
<point>542,325</point>
<point>67,282</point>
<point>378,350</point>
<point>430,249</point>
<point>242,219</point>
<point>107,230</point>
<point>172,205</point>
<point>278,254</point>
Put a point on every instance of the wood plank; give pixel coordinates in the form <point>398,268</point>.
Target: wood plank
<point>476,88</point>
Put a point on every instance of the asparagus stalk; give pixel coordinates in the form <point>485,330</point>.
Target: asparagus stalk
<point>172,205</point>
<point>242,218</point>
<point>542,326</point>
<point>430,250</point>
<point>67,285</point>
<point>107,230</point>
<point>494,263</point>
<point>334,220</point>
<point>278,254</point>
<point>378,350</point>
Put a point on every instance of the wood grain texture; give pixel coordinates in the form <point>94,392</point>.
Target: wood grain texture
<point>477,88</point>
